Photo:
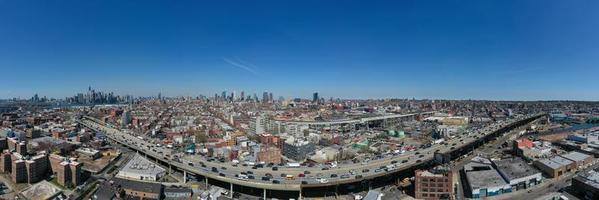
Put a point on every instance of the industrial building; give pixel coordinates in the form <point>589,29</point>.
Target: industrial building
<point>483,180</point>
<point>579,159</point>
<point>559,165</point>
<point>555,166</point>
<point>140,168</point>
<point>518,173</point>
<point>587,184</point>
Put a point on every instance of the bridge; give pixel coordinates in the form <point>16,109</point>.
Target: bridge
<point>367,173</point>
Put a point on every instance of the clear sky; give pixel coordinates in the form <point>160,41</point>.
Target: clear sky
<point>517,50</point>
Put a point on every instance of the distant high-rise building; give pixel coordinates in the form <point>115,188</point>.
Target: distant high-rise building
<point>270,99</point>
<point>242,95</point>
<point>315,97</point>
<point>265,97</point>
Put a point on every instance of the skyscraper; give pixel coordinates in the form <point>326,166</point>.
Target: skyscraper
<point>265,97</point>
<point>315,97</point>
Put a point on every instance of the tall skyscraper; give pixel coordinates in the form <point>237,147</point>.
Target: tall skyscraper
<point>265,97</point>
<point>315,97</point>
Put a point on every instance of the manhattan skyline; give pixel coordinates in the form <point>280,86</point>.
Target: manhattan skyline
<point>504,50</point>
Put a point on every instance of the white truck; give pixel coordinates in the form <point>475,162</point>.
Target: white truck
<point>293,165</point>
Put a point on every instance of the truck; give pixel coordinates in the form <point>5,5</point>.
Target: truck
<point>293,165</point>
<point>289,177</point>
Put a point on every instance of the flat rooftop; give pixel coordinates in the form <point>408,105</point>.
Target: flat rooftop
<point>590,178</point>
<point>141,165</point>
<point>576,156</point>
<point>515,168</point>
<point>555,162</point>
<point>485,179</point>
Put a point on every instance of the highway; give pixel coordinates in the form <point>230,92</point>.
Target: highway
<point>315,177</point>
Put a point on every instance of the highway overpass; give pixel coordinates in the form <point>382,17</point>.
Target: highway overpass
<point>406,162</point>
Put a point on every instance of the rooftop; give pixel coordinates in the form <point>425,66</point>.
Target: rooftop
<point>141,165</point>
<point>515,168</point>
<point>590,178</point>
<point>485,179</point>
<point>576,156</point>
<point>138,185</point>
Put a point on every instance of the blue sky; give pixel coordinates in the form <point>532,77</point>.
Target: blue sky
<point>520,50</point>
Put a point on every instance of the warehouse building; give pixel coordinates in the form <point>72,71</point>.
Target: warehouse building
<point>555,166</point>
<point>587,184</point>
<point>483,180</point>
<point>139,168</point>
<point>518,173</point>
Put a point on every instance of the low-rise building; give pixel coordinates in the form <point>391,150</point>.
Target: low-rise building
<point>518,173</point>
<point>139,168</point>
<point>88,153</point>
<point>483,180</point>
<point>555,166</point>
<point>177,193</point>
<point>270,155</point>
<point>587,184</point>
<point>434,184</point>
<point>139,189</point>
<point>579,159</point>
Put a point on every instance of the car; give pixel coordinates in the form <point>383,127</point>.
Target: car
<point>325,168</point>
<point>275,168</point>
<point>251,177</point>
<point>265,178</point>
<point>306,172</point>
<point>283,175</point>
<point>417,153</point>
<point>301,175</point>
<point>333,175</point>
<point>404,161</point>
<point>276,181</point>
<point>214,169</point>
<point>221,174</point>
<point>250,172</point>
<point>223,168</point>
<point>393,162</point>
<point>268,175</point>
<point>420,156</point>
<point>418,161</point>
<point>358,176</point>
<point>304,182</point>
<point>365,170</point>
<point>377,170</point>
<point>344,176</point>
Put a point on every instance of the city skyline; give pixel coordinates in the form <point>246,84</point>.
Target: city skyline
<point>507,50</point>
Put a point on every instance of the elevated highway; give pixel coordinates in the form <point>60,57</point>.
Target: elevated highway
<point>361,172</point>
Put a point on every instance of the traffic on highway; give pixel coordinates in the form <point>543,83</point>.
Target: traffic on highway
<point>295,173</point>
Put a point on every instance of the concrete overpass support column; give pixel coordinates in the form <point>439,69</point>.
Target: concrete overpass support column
<point>264,193</point>
<point>184,176</point>
<point>231,192</point>
<point>206,179</point>
<point>300,194</point>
